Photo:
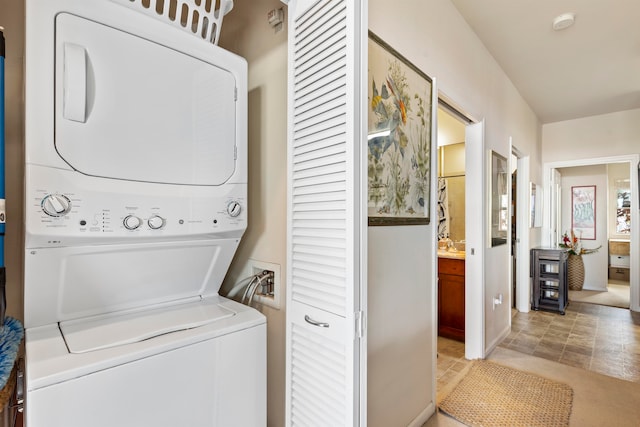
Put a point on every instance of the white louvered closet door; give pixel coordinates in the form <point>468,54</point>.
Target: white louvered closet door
<point>326,231</point>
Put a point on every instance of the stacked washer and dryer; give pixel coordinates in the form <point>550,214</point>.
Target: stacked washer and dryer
<point>135,203</point>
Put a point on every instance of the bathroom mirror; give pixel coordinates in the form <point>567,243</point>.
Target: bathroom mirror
<point>535,205</point>
<point>499,215</point>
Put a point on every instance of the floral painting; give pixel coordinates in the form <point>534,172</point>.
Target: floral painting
<point>399,142</point>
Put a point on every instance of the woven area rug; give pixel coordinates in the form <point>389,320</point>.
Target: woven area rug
<point>494,395</point>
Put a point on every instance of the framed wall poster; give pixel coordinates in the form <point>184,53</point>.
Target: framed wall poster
<point>583,211</point>
<point>399,140</point>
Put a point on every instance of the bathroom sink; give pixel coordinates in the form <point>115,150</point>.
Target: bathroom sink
<point>451,254</point>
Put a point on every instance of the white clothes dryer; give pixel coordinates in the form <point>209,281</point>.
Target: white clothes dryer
<point>135,203</point>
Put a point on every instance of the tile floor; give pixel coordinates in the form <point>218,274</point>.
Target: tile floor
<point>589,336</point>
<point>450,361</point>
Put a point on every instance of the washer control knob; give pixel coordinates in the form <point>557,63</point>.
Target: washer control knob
<point>131,222</point>
<point>234,208</point>
<point>156,222</point>
<point>56,205</point>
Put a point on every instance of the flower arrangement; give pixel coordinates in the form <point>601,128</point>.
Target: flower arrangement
<point>574,244</point>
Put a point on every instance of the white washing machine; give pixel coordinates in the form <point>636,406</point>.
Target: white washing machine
<point>135,203</point>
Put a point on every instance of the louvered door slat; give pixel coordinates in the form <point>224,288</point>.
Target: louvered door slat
<point>330,146</point>
<point>327,106</point>
<point>306,31</point>
<point>325,170</point>
<point>330,244</point>
<point>333,76</point>
<point>319,101</point>
<point>332,55</point>
<point>337,160</point>
<point>331,89</point>
<point>318,216</point>
<point>323,211</point>
<point>330,122</point>
<point>318,250</point>
<point>320,179</point>
<point>336,135</point>
<point>328,187</point>
<point>326,36</point>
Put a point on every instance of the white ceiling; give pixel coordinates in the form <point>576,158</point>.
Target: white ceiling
<point>590,68</point>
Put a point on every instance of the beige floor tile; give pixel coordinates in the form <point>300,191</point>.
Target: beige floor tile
<point>551,346</point>
<point>547,354</point>
<point>610,369</point>
<point>587,335</point>
<point>575,359</point>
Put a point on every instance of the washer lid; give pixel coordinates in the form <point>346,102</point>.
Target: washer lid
<point>97,333</point>
<point>129,108</point>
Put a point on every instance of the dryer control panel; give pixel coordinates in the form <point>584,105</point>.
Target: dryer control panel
<point>64,210</point>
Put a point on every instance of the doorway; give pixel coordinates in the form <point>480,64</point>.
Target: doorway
<point>607,267</point>
<point>451,253</point>
<point>551,235</point>
<point>451,225</point>
<point>514,228</point>
<point>474,243</point>
<point>521,225</point>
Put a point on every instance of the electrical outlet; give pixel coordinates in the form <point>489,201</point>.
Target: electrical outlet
<point>497,301</point>
<point>257,267</point>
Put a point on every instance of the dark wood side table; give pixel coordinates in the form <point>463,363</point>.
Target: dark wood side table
<point>549,275</point>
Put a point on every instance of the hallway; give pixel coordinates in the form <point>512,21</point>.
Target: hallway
<point>600,339</point>
<point>594,337</point>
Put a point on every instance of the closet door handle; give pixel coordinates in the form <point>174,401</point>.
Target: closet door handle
<point>315,322</point>
<point>74,83</point>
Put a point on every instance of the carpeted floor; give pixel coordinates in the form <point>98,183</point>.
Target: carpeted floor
<point>617,295</point>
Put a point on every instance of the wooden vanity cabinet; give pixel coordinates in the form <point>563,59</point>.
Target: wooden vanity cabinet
<point>451,298</point>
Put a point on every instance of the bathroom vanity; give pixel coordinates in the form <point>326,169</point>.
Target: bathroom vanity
<point>619,260</point>
<point>451,292</point>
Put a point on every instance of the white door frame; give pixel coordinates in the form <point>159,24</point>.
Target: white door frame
<point>475,234</point>
<point>474,230</point>
<point>523,285</point>
<point>634,162</point>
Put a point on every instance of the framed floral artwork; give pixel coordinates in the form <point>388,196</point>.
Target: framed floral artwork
<point>399,138</point>
<point>583,211</point>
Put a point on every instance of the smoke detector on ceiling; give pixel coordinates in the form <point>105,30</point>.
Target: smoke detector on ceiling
<point>564,21</point>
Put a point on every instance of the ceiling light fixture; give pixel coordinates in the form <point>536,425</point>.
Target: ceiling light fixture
<point>564,21</point>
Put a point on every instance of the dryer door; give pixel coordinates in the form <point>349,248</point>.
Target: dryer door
<point>129,108</point>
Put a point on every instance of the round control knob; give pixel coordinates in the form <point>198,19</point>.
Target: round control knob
<point>155,222</point>
<point>56,205</point>
<point>131,222</point>
<point>234,209</point>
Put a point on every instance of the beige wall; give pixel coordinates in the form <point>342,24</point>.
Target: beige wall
<point>606,135</point>
<point>595,264</point>
<point>12,19</point>
<point>435,37</point>
<point>245,31</point>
